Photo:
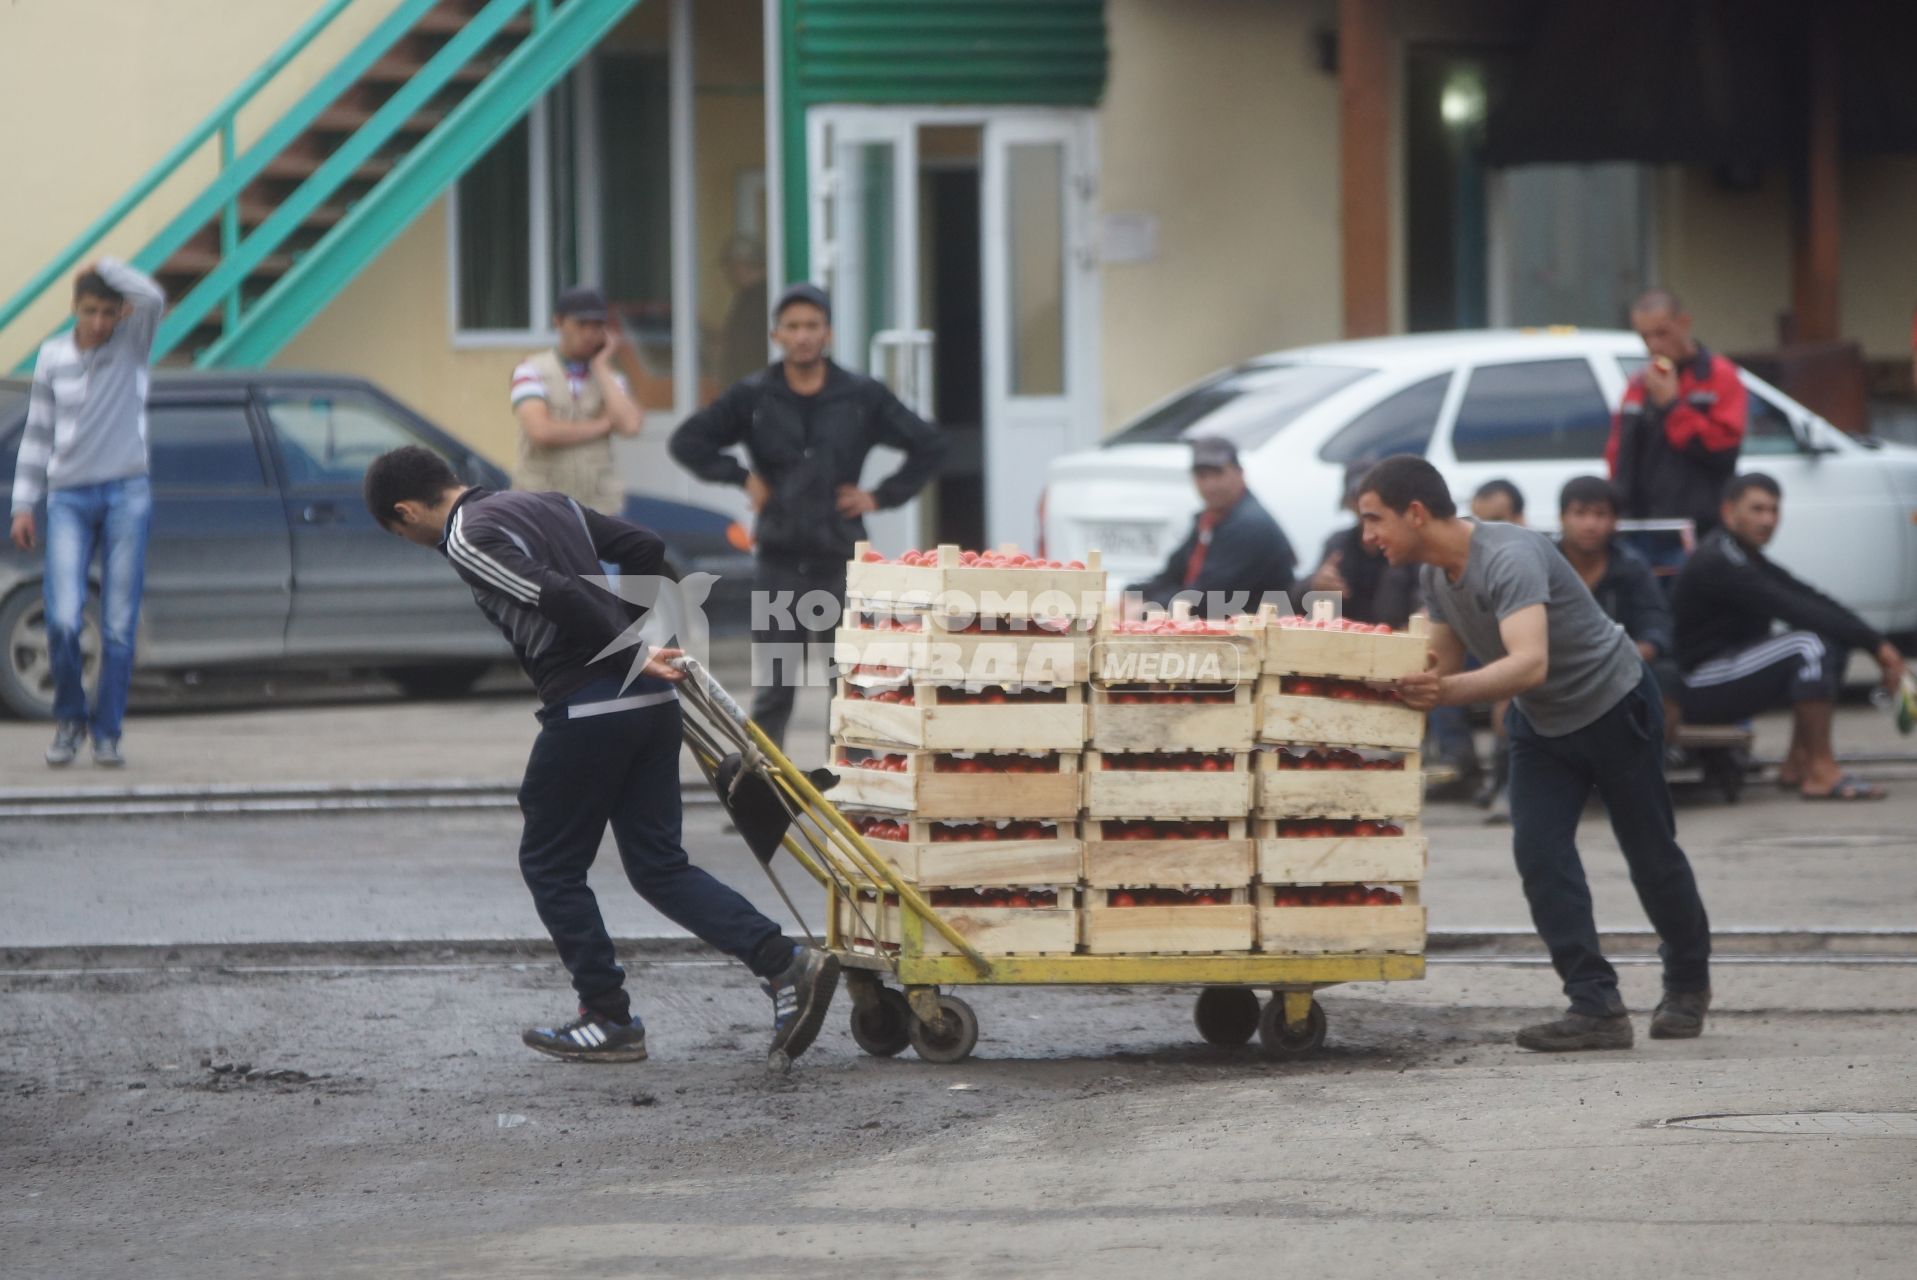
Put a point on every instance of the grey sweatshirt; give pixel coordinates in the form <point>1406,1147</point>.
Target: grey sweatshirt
<point>86,419</point>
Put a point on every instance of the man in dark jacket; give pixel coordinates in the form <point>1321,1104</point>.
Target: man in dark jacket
<point>807,426</point>
<point>1236,555</point>
<point>1623,583</point>
<point>1728,596</point>
<point>607,750</point>
<point>1675,439</point>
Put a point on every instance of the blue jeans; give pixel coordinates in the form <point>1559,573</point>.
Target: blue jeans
<point>115,518</point>
<point>623,768</point>
<point>1620,755</point>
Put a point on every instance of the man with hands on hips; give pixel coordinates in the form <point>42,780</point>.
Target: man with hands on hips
<point>1585,715</point>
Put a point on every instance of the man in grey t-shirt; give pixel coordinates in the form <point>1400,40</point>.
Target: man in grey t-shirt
<point>1585,715</point>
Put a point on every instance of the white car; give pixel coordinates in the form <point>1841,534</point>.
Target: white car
<point>1531,407</point>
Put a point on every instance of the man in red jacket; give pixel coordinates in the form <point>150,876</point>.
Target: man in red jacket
<point>1675,439</point>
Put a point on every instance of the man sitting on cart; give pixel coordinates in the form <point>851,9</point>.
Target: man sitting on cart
<point>1728,597</point>
<point>607,750</point>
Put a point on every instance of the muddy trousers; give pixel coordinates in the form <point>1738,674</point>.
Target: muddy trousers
<point>606,757</point>
<point>1620,755</point>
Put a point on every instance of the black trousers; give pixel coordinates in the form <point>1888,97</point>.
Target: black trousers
<point>1620,755</point>
<point>1798,666</point>
<point>622,767</point>
<point>796,608</point>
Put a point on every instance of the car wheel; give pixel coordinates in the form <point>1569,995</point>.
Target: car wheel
<point>448,680</point>
<point>26,677</point>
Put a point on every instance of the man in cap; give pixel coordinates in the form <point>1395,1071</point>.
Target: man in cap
<point>1236,554</point>
<point>807,425</point>
<point>570,401</point>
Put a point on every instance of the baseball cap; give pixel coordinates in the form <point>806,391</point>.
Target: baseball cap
<point>1213,451</point>
<point>802,292</point>
<point>582,301</point>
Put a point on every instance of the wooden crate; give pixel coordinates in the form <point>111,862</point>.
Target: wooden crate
<point>1116,724</point>
<point>931,793</point>
<point>1341,930</point>
<point>1339,793</point>
<point>930,721</point>
<point>1176,863</point>
<point>1346,655</point>
<point>979,863</point>
<point>1339,859</point>
<point>1110,930</point>
<point>1008,930</point>
<point>950,589</point>
<point>962,657</point>
<point>1171,658</point>
<point>1291,718</point>
<point>1166,793</point>
<point>871,925</point>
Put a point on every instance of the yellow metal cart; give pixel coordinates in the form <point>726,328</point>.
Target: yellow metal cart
<point>776,805</point>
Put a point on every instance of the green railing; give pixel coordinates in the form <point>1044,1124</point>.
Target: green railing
<point>219,122</point>
<point>253,333</point>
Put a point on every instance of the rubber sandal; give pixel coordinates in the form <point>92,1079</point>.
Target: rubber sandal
<point>1849,787</point>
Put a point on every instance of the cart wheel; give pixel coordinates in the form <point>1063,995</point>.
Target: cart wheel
<point>884,1028</point>
<point>1227,1015</point>
<point>1300,1041</point>
<point>952,1037</point>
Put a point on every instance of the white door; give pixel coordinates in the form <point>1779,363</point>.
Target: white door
<point>865,255</point>
<point>1040,309</point>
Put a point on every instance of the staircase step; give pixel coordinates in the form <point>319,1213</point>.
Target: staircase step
<point>345,118</point>
<point>400,66</point>
<point>295,163</point>
<point>196,262</point>
<point>452,15</point>
<point>252,213</point>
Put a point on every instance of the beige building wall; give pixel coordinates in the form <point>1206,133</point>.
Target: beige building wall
<point>97,92</point>
<point>1217,123</point>
<point>1728,254</point>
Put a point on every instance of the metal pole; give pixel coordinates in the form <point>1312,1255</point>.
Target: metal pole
<point>229,226</point>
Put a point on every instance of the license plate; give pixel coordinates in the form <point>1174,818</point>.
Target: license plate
<point>1123,540</point>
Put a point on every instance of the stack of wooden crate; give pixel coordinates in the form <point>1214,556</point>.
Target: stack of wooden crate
<point>1168,787</point>
<point>1338,846</point>
<point>958,729</point>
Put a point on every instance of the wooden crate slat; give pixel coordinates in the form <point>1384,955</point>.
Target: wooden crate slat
<point>988,657</point>
<point>1199,658</point>
<point>1152,793</point>
<point>1345,655</point>
<point>966,727</point>
<point>1288,718</point>
<point>931,794</point>
<point>1340,859</point>
<point>953,589</point>
<point>1173,863</point>
<point>1339,793</point>
<point>1118,726</point>
<point>1318,930</point>
<point>1172,929</point>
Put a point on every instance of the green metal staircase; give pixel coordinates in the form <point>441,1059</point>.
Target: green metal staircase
<point>292,218</point>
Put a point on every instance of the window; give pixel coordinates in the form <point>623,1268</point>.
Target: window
<point>1767,430</point>
<point>1247,405</point>
<point>1534,410</point>
<point>329,440</point>
<point>1401,423</point>
<point>204,446</point>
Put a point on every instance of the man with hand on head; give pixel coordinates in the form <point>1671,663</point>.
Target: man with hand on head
<point>1584,717</point>
<point>807,425</point>
<point>570,401</point>
<point>84,451</point>
<point>607,750</point>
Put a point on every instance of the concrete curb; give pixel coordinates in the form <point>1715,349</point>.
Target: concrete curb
<point>1825,944</point>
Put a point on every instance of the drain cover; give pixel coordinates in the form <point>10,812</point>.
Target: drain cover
<point>1836,1124</point>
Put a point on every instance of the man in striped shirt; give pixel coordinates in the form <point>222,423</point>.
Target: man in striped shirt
<point>84,452</point>
<point>570,401</point>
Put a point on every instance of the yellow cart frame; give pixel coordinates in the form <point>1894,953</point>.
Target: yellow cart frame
<point>940,1026</point>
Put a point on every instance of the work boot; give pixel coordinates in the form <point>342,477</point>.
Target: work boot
<point>1578,1031</point>
<point>1680,1015</point>
<point>590,1038</point>
<point>800,997</point>
<point>67,738</point>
